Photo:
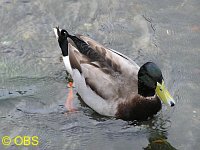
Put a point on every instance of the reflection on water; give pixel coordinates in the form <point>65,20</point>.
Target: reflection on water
<point>33,88</point>
<point>158,135</point>
<point>159,142</point>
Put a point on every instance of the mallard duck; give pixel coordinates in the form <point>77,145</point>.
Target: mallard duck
<point>111,83</point>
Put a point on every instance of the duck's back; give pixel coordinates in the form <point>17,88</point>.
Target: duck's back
<point>103,77</point>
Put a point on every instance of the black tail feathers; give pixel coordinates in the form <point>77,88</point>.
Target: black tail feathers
<point>62,40</point>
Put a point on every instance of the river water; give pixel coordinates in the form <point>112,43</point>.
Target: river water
<point>33,88</point>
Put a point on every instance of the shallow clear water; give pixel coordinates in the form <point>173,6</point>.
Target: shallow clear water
<point>33,88</point>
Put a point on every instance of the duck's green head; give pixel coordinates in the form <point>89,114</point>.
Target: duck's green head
<point>151,82</point>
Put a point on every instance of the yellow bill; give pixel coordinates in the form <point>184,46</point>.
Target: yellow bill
<point>164,95</point>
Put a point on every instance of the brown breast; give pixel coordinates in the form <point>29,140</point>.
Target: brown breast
<point>138,108</point>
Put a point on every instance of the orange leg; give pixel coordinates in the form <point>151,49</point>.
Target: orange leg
<point>70,85</point>
<point>69,100</point>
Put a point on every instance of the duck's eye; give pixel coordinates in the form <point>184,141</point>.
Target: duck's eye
<point>160,89</point>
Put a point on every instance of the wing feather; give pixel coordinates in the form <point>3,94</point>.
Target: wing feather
<point>112,79</point>
<point>127,66</point>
